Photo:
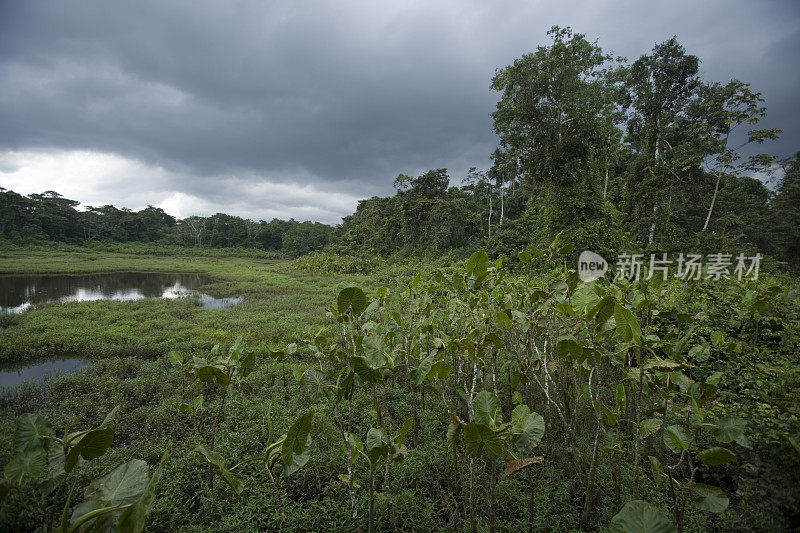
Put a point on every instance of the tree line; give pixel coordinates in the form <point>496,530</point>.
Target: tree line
<point>643,155</point>
<point>50,216</point>
<point>616,155</point>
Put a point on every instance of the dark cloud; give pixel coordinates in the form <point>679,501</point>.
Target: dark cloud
<point>337,96</point>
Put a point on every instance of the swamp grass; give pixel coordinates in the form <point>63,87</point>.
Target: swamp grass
<point>280,305</point>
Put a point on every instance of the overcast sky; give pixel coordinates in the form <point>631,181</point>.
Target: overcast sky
<point>299,109</point>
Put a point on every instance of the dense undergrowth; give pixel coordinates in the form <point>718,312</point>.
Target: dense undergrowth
<point>742,338</point>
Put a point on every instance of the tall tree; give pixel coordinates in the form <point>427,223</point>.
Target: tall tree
<point>661,86</point>
<point>726,108</point>
<point>550,119</point>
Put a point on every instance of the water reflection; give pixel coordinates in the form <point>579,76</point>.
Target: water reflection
<point>40,371</point>
<point>209,302</point>
<point>18,293</point>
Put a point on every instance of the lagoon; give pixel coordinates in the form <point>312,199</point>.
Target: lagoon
<point>20,292</point>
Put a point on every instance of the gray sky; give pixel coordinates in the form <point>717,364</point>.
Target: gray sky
<point>298,109</point>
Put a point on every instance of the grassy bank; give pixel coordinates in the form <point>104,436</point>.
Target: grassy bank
<point>280,304</point>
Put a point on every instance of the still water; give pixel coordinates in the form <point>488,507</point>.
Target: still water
<point>39,371</point>
<point>18,293</point>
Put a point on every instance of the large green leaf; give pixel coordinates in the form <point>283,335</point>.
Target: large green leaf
<point>91,445</point>
<point>487,409</point>
<point>316,383</point>
<point>375,350</point>
<point>439,371</point>
<point>365,371</point>
<point>453,431</point>
<point>675,438</point>
<point>638,516</point>
<point>729,428</point>
<point>298,459</point>
<point>649,426</point>
<point>537,252</point>
<point>658,471</point>
<point>175,358</point>
<point>217,462</point>
<point>351,298</point>
<point>132,519</point>
<point>602,311</point>
<point>495,339</point>
<point>585,299</point>
<point>356,446</point>
<point>709,498</point>
<point>716,456</point>
<point>627,326</point>
<point>376,446</point>
<point>123,485</point>
<point>296,437</point>
<point>419,373</point>
<point>568,346</point>
<point>478,437</point>
<point>610,418</point>
<point>502,320</point>
<point>55,473</point>
<point>31,432</point>
<point>400,437</point>
<point>620,397</point>
<point>528,429</point>
<point>477,264</point>
<point>375,438</point>
<point>235,352</point>
<point>247,364</point>
<point>212,373</point>
<point>29,464</point>
<point>518,416</point>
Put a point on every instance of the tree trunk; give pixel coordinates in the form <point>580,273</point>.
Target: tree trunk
<point>587,502</point>
<point>653,225</point>
<point>473,521</point>
<point>490,215</point>
<point>638,428</point>
<point>713,201</point>
<point>656,157</point>
<point>502,205</point>
<point>387,482</point>
<point>371,522</point>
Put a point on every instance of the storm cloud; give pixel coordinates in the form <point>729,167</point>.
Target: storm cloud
<point>299,109</point>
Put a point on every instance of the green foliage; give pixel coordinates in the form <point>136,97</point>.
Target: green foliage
<point>218,463</point>
<point>118,500</point>
<point>640,517</point>
<point>331,263</point>
<point>51,217</point>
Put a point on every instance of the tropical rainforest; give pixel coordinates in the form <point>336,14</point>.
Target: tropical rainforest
<point>437,362</point>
